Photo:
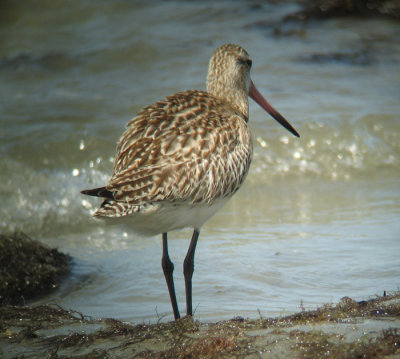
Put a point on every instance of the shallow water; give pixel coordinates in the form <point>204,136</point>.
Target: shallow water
<point>318,217</point>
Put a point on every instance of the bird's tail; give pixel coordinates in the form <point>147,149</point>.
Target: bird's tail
<point>99,192</point>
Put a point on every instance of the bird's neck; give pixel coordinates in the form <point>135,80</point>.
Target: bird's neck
<point>234,96</point>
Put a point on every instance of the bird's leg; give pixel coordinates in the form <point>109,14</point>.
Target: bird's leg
<point>188,269</point>
<point>168,268</point>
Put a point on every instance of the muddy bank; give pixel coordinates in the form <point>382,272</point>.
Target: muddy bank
<point>349,329</point>
<point>28,269</point>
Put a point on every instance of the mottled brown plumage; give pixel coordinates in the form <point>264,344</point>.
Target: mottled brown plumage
<point>172,151</point>
<point>182,158</point>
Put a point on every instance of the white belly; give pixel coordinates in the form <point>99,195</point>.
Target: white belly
<point>165,217</point>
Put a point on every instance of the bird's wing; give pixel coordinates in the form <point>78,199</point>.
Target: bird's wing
<point>190,147</point>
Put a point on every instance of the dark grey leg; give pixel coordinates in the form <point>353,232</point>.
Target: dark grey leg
<point>188,269</point>
<point>168,268</point>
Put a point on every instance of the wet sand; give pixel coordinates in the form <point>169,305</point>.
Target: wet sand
<point>348,329</point>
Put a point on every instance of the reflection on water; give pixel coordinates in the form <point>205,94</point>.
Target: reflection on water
<point>317,218</point>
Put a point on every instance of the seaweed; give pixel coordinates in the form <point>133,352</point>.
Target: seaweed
<point>28,269</point>
<point>317,344</point>
<point>54,332</point>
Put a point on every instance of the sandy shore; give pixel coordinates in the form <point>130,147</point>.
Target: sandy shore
<point>349,329</point>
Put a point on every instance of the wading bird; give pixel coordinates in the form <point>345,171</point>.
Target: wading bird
<point>181,159</point>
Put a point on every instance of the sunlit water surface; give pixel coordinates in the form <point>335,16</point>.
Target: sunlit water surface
<point>318,217</point>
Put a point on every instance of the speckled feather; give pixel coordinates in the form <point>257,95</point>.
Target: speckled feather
<point>193,148</point>
<point>177,149</point>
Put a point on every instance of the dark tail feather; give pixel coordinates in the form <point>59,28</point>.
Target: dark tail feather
<point>99,192</point>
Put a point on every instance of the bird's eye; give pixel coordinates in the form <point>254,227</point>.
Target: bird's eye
<point>246,62</point>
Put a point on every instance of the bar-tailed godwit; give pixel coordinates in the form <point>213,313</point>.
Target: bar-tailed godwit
<point>181,159</point>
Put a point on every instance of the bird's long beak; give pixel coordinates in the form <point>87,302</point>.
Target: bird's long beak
<point>257,97</point>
